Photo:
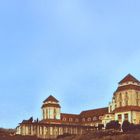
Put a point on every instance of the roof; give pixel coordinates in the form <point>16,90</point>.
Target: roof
<point>51,98</point>
<point>52,121</point>
<point>28,121</point>
<point>94,112</point>
<point>69,115</point>
<point>70,118</point>
<point>129,78</point>
<point>51,105</point>
<point>127,108</point>
<point>128,87</point>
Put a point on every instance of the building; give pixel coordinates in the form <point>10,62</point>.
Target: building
<point>125,105</point>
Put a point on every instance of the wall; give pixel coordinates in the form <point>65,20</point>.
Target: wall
<point>43,131</point>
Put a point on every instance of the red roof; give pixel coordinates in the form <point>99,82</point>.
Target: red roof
<point>51,98</point>
<point>129,78</point>
<point>127,108</point>
<point>69,115</point>
<point>75,119</point>
<point>94,112</point>
<point>66,118</point>
<point>51,121</point>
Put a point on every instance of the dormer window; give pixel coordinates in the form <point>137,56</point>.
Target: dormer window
<point>64,119</point>
<point>89,119</point>
<point>76,120</point>
<point>94,118</point>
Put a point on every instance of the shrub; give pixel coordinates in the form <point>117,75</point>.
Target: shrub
<point>113,125</point>
<point>126,126</point>
<point>137,127</point>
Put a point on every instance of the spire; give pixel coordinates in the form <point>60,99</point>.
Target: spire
<point>51,98</point>
<point>129,78</point>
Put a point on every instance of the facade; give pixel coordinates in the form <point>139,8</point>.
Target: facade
<point>125,105</point>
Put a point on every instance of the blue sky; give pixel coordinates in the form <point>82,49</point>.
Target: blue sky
<point>76,50</point>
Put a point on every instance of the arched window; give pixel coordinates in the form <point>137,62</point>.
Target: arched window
<point>120,96</point>
<point>120,100</point>
<point>94,118</point>
<point>100,117</point>
<point>126,95</point>
<point>120,104</point>
<point>64,119</point>
<point>89,119</point>
<point>83,120</point>
<point>137,98</point>
<point>126,98</point>
<point>55,113</point>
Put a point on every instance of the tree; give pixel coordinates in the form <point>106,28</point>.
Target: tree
<point>113,125</point>
<point>126,126</point>
<point>137,127</point>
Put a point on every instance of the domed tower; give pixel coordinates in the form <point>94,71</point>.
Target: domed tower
<point>51,108</point>
<point>126,100</point>
<point>128,92</point>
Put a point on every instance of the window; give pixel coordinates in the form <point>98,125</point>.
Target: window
<point>120,96</point>
<point>137,95</point>
<point>126,96</point>
<point>89,119</point>
<point>76,120</point>
<point>126,102</point>
<point>64,119</point>
<point>70,119</point>
<point>83,120</point>
<point>137,99</point>
<point>110,108</point>
<point>126,99</point>
<point>120,117</point>
<point>126,116</point>
<point>94,118</point>
<point>120,104</point>
<point>100,117</point>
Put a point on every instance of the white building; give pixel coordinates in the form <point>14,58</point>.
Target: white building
<point>125,105</point>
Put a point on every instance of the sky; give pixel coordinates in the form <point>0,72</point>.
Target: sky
<point>75,50</point>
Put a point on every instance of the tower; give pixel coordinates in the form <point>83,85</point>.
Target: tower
<point>127,93</point>
<point>126,100</point>
<point>51,108</point>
